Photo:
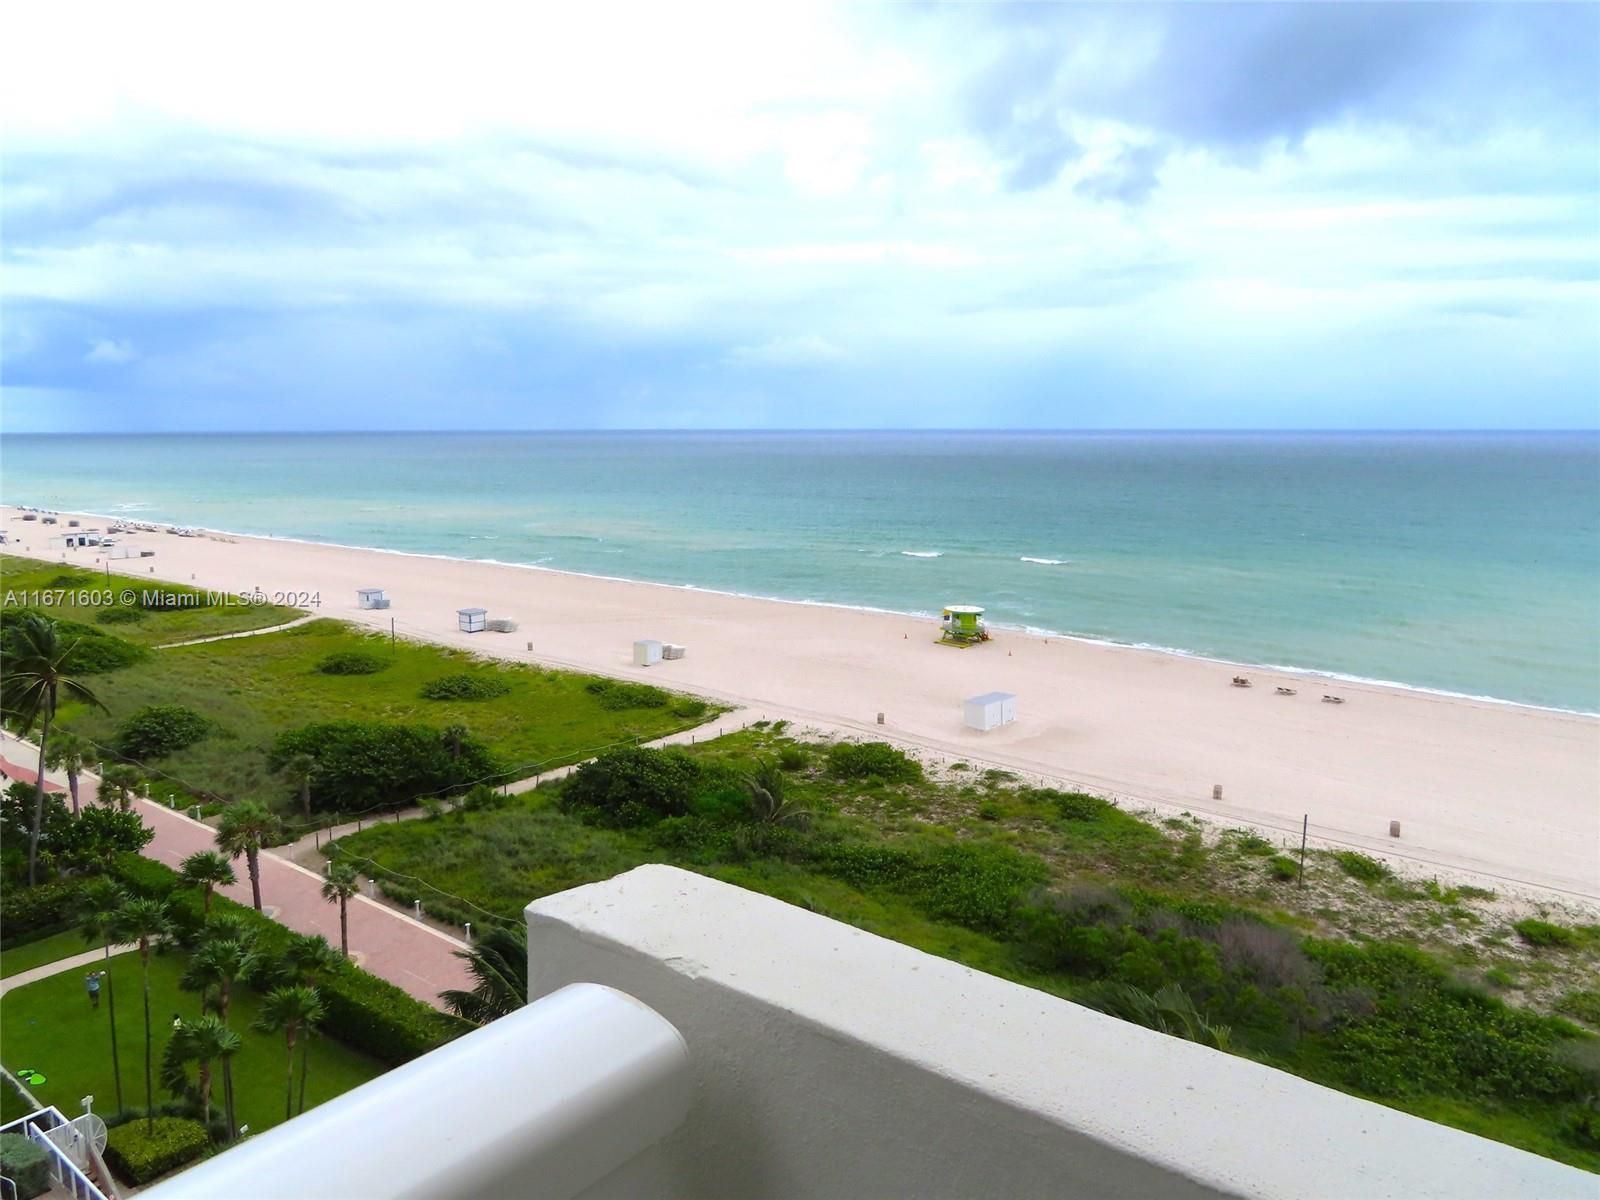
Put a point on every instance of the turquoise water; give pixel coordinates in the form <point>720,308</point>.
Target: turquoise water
<point>1460,562</point>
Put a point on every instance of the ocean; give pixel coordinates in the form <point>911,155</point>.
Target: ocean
<point>1465,563</point>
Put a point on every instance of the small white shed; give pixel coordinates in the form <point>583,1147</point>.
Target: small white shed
<point>646,652</point>
<point>371,598</point>
<point>472,620</point>
<point>990,709</point>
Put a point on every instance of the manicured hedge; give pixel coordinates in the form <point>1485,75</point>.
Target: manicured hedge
<point>138,1156</point>
<point>372,1014</point>
<point>144,877</point>
<point>28,914</point>
<point>25,1164</point>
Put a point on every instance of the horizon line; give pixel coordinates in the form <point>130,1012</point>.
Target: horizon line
<point>948,429</point>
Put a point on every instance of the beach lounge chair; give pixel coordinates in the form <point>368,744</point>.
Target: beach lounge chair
<point>1240,681</point>
<point>1333,699</point>
<point>1283,691</point>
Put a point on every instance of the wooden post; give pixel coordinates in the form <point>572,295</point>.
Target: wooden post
<point>1305,826</point>
<point>391,635</point>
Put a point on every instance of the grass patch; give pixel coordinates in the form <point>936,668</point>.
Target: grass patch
<point>1547,935</point>
<point>145,625</point>
<point>46,950</point>
<point>1361,866</point>
<point>50,1027</point>
<point>253,689</point>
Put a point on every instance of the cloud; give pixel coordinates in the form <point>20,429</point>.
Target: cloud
<point>109,351</point>
<point>787,354</point>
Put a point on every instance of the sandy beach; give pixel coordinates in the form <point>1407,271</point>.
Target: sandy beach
<point>1495,791</point>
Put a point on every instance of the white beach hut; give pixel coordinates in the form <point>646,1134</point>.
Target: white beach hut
<point>371,598</point>
<point>990,709</point>
<point>472,620</point>
<point>646,652</point>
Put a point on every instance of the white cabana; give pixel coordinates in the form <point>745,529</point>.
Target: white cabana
<point>371,598</point>
<point>646,652</point>
<point>990,709</point>
<point>472,620</point>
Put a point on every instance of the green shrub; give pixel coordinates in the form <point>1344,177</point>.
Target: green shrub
<point>792,758</point>
<point>1078,806</point>
<point>373,1015</point>
<point>1547,934</point>
<point>25,1164</point>
<point>144,877</point>
<point>1361,866</point>
<point>634,786</point>
<point>351,662</point>
<point>616,696</point>
<point>689,707</point>
<point>95,652</point>
<point>138,1156</point>
<point>119,615</point>
<point>1283,868</point>
<point>977,886</point>
<point>1253,844</point>
<point>872,760</point>
<point>363,764</point>
<point>160,729</point>
<point>465,687</point>
<point>27,914</point>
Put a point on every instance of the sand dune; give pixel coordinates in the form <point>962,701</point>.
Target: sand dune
<point>1493,790</point>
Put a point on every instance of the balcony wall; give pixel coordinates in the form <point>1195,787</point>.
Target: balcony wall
<point>828,1062</point>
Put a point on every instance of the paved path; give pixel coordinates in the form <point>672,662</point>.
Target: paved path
<point>408,953</point>
<point>86,959</point>
<point>243,633</point>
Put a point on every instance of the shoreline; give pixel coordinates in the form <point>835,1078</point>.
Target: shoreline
<point>1481,787</point>
<point>1032,631</point>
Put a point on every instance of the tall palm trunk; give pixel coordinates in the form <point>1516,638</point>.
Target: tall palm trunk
<point>253,861</point>
<point>205,1090</point>
<point>72,788</point>
<point>305,1054</point>
<point>111,1006</point>
<point>305,798</point>
<point>288,1090</point>
<point>149,1077</point>
<point>344,925</point>
<point>229,1113</point>
<point>38,794</point>
<point>205,905</point>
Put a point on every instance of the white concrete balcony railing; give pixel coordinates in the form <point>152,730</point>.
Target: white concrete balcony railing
<point>752,1050</point>
<point>68,1147</point>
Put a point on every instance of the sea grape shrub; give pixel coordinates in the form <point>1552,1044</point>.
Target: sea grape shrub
<point>160,729</point>
<point>872,761</point>
<point>465,687</point>
<point>1430,1034</point>
<point>365,764</point>
<point>94,650</point>
<point>614,696</point>
<point>634,786</point>
<point>351,662</point>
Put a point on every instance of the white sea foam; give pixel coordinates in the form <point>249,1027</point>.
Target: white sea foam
<point>1046,562</point>
<point>923,553</point>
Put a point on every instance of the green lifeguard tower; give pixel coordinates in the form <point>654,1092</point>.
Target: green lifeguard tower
<point>962,625</point>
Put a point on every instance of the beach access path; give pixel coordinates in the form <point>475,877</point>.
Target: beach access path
<point>409,953</point>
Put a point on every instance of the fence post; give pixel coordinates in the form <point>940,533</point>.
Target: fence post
<point>1305,826</point>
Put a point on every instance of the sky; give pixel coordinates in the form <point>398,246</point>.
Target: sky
<point>350,216</point>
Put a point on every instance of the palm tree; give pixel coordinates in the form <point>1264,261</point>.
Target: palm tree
<point>768,803</point>
<point>293,1010</point>
<point>70,753</point>
<point>40,670</point>
<point>307,958</point>
<point>102,906</point>
<point>218,964</point>
<point>454,735</point>
<point>301,770</point>
<point>499,962</point>
<point>341,884</point>
<point>203,1040</point>
<point>207,869</point>
<point>125,782</point>
<point>244,829</point>
<point>147,922</point>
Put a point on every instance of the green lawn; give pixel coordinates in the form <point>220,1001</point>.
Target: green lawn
<point>46,950</point>
<point>48,1026</point>
<point>20,576</point>
<point>12,1105</point>
<point>254,688</point>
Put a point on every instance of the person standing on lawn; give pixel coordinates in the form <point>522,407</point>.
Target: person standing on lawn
<point>92,981</point>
